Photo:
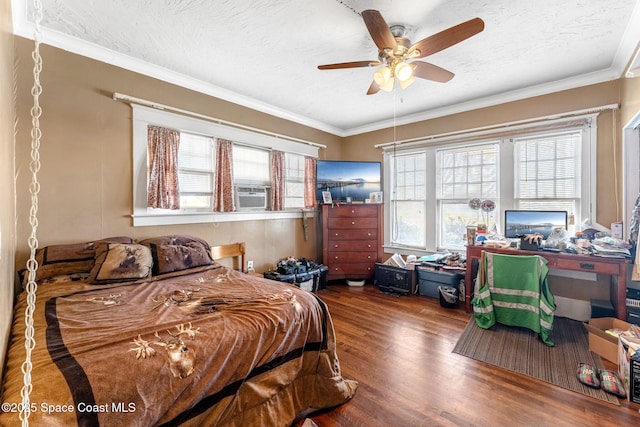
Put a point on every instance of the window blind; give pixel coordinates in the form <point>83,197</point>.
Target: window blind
<point>548,171</point>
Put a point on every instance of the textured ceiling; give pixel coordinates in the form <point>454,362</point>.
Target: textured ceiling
<point>264,53</point>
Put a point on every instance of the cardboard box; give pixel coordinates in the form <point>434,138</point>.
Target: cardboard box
<point>602,343</point>
<point>629,364</point>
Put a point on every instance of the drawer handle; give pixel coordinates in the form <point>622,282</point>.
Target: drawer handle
<point>369,257</point>
<point>353,223</point>
<point>587,266</point>
<point>336,234</point>
<point>336,246</point>
<point>353,211</point>
<point>369,246</point>
<point>336,257</point>
<point>369,234</point>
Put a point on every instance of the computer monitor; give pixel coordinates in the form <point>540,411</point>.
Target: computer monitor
<point>520,222</point>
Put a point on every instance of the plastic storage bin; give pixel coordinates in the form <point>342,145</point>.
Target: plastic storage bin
<point>429,280</point>
<point>389,278</point>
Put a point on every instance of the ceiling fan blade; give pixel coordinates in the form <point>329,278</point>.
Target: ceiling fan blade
<point>424,70</point>
<point>379,30</point>
<point>373,89</point>
<point>444,39</point>
<point>354,64</point>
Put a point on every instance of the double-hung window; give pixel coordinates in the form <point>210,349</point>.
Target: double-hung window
<point>250,166</point>
<point>195,171</point>
<point>465,173</point>
<point>409,200</point>
<point>438,186</point>
<point>294,180</point>
<point>548,173</point>
<point>201,185</point>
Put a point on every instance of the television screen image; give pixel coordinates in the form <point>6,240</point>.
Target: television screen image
<point>343,179</point>
<point>519,223</point>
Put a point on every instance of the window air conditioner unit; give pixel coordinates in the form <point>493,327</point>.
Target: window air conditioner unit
<point>251,198</point>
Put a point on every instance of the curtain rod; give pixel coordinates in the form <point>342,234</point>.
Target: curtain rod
<point>503,125</point>
<point>133,100</point>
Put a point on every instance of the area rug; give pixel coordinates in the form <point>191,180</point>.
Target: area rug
<point>520,350</point>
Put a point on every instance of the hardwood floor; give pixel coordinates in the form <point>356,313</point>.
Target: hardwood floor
<point>399,350</point>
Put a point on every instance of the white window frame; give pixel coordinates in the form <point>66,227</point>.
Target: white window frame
<point>441,201</point>
<point>209,171</point>
<point>506,173</point>
<point>395,198</point>
<point>288,199</point>
<point>144,116</point>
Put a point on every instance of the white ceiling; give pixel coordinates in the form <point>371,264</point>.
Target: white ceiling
<point>264,53</point>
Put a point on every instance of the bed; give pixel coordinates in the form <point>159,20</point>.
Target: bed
<point>158,333</point>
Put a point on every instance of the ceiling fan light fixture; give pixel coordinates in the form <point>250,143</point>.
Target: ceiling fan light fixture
<point>404,71</point>
<point>388,85</point>
<point>395,51</point>
<point>382,75</point>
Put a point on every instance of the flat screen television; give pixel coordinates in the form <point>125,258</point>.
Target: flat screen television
<point>520,222</point>
<point>347,179</point>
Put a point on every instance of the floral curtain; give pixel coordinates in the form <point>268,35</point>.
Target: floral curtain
<point>309,182</point>
<point>223,186</point>
<point>277,180</point>
<point>162,148</point>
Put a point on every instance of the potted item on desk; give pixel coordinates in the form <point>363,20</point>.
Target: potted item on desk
<point>531,242</point>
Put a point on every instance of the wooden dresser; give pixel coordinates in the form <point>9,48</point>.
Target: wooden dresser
<point>351,240</point>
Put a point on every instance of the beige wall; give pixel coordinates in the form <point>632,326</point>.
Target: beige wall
<point>86,151</point>
<point>86,156</point>
<point>7,189</point>
<point>630,99</point>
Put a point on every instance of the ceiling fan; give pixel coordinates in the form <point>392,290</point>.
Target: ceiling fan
<point>396,53</point>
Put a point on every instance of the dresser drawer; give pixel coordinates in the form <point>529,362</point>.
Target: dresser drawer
<point>354,270</point>
<point>351,240</point>
<point>352,223</point>
<point>352,234</point>
<point>351,256</point>
<point>363,245</point>
<point>360,211</point>
<point>587,265</point>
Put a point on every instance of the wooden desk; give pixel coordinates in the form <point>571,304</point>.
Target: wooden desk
<point>614,267</point>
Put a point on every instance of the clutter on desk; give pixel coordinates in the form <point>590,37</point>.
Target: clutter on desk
<point>443,261</point>
<point>590,240</point>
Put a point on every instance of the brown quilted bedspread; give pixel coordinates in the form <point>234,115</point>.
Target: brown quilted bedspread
<point>207,346</point>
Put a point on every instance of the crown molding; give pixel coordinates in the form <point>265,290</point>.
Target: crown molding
<point>624,55</point>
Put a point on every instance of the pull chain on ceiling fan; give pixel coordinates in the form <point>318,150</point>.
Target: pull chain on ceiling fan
<point>396,54</point>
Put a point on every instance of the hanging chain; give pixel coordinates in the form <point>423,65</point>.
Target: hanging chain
<point>349,7</point>
<point>34,189</point>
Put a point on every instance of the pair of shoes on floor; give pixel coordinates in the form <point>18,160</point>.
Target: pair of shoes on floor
<point>605,379</point>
